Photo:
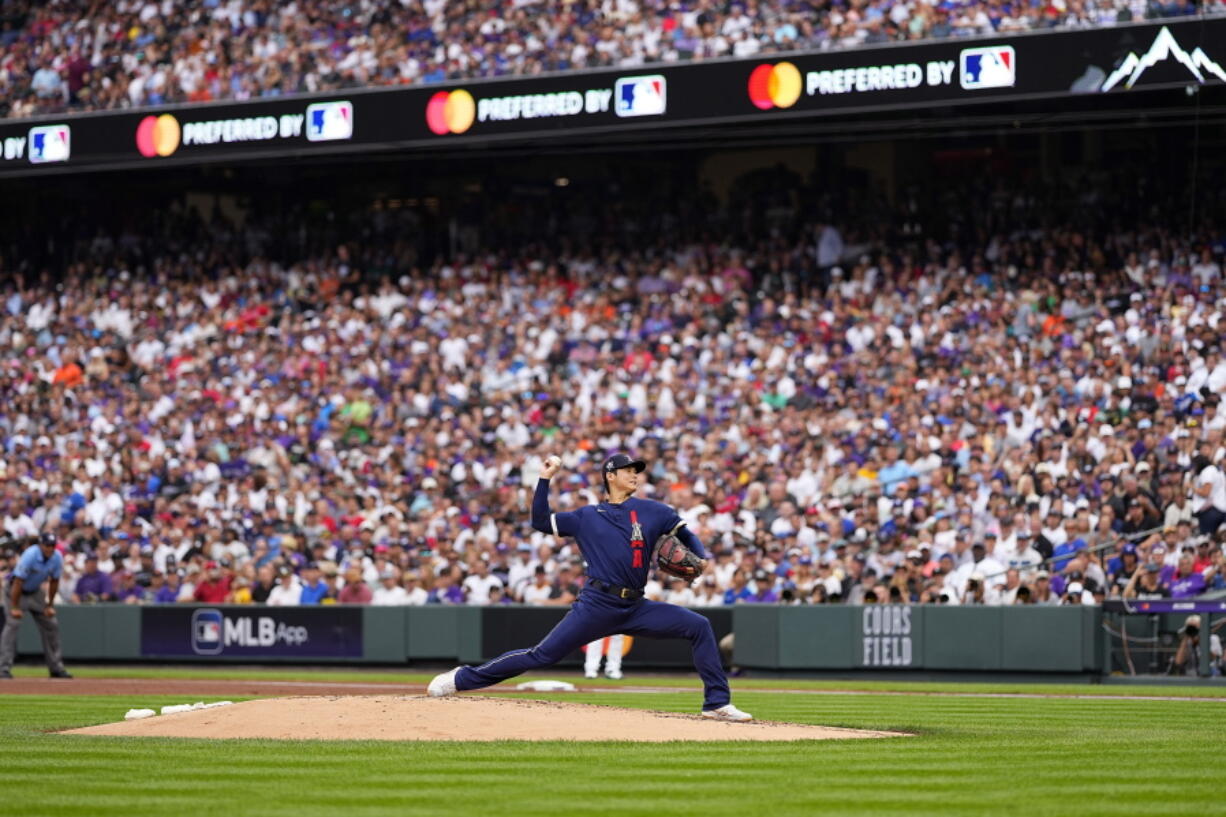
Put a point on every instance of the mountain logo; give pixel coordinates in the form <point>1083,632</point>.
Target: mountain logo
<point>1164,47</point>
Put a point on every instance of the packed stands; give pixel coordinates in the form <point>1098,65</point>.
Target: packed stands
<point>944,398</point>
<point>79,56</point>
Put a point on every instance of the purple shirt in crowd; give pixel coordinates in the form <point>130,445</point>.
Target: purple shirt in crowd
<point>166,595</point>
<point>1191,585</point>
<point>95,584</point>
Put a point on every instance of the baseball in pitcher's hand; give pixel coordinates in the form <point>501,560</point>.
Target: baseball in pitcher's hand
<point>551,466</point>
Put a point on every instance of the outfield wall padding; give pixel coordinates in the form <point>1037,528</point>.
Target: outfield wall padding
<point>853,638</point>
<point>908,637</point>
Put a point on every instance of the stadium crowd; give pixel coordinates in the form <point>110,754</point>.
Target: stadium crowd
<point>75,55</point>
<point>266,412</point>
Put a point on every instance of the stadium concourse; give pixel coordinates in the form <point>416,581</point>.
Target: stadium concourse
<point>73,55</point>
<point>267,413</point>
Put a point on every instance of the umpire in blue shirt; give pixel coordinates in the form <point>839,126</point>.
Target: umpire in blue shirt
<point>39,563</point>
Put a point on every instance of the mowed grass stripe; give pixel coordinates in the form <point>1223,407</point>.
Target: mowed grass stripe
<point>394,677</point>
<point>881,712</point>
<point>989,756</point>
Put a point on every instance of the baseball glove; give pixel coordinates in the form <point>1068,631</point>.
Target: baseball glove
<point>676,559</point>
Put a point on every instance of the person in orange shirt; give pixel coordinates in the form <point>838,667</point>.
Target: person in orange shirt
<point>69,375</point>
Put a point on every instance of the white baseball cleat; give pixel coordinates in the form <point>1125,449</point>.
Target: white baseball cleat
<point>591,674</point>
<point>443,684</point>
<point>614,675</point>
<point>727,712</point>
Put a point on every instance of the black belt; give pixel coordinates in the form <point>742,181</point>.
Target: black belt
<point>615,590</point>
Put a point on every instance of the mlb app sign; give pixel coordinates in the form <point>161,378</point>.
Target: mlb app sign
<point>329,121</point>
<point>207,631</point>
<point>641,96</point>
<point>50,143</point>
<point>225,632</point>
<point>993,66</point>
<point>212,632</point>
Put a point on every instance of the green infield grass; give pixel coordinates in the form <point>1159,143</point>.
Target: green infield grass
<point>970,756</point>
<point>749,683</point>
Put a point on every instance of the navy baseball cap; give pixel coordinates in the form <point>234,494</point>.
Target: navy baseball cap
<point>619,461</point>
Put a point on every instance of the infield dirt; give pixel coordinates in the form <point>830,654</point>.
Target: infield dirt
<point>377,717</point>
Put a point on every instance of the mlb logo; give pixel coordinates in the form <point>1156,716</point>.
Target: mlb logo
<point>640,96</point>
<point>207,632</point>
<point>327,121</point>
<point>993,66</point>
<point>50,143</point>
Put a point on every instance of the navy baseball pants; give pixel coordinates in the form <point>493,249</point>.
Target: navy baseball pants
<point>595,615</point>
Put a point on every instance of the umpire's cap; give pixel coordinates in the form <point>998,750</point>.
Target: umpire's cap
<point>619,461</point>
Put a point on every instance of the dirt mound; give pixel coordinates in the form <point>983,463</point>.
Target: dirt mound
<point>416,717</point>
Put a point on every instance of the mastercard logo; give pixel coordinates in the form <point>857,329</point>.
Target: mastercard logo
<point>450,112</point>
<point>774,86</point>
<point>158,135</point>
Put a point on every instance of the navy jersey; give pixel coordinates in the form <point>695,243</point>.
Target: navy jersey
<point>616,540</point>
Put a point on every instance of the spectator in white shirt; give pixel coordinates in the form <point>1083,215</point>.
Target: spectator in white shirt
<point>1206,270</point>
<point>1209,504</point>
<point>288,592</point>
<point>414,594</point>
<point>1076,594</point>
<point>539,591</point>
<point>680,593</point>
<point>478,584</point>
<point>708,593</point>
<point>1012,583</point>
<point>1024,557</point>
<point>980,564</point>
<point>519,573</point>
<point>1215,364</point>
<point>978,590</point>
<point>389,592</point>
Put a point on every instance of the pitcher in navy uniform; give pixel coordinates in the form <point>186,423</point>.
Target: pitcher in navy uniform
<point>616,538</point>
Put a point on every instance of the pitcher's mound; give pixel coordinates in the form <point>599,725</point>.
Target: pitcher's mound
<point>465,718</point>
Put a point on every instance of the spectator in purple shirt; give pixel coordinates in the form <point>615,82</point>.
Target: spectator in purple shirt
<point>94,585</point>
<point>764,589</point>
<point>168,593</point>
<point>1187,582</point>
<point>446,591</point>
<point>127,590</point>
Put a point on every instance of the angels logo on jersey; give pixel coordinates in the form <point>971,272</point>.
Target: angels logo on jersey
<point>636,539</point>
<point>636,530</point>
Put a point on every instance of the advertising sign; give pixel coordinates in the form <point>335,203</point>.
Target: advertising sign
<point>887,638</point>
<point>251,632</point>
<point>1112,60</point>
